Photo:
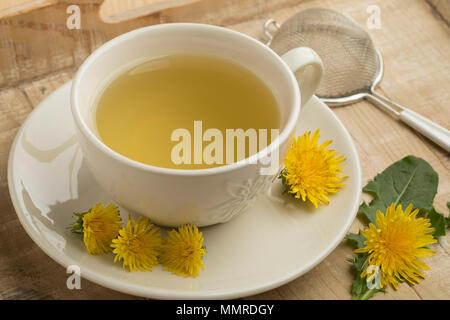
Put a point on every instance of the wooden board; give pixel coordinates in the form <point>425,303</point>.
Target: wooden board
<point>414,39</point>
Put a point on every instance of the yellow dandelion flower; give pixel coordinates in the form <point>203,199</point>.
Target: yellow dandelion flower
<point>99,226</point>
<point>183,251</point>
<point>138,245</point>
<point>395,245</point>
<point>311,171</point>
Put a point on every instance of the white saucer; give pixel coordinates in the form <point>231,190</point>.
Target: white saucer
<point>274,242</point>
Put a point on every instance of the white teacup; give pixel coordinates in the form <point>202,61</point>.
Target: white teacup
<point>172,197</point>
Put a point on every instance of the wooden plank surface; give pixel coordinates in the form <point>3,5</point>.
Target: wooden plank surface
<point>414,39</point>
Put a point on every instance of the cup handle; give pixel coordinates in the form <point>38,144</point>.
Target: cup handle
<point>306,60</point>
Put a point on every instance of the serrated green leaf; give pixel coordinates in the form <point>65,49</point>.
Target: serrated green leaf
<point>409,180</point>
<point>368,212</point>
<point>437,220</point>
<point>357,239</point>
<point>370,187</point>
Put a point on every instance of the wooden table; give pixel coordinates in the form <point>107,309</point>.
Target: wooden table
<point>38,54</point>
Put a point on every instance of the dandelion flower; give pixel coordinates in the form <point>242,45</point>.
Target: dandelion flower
<point>395,245</point>
<point>311,171</point>
<point>138,245</point>
<point>99,226</point>
<point>183,251</point>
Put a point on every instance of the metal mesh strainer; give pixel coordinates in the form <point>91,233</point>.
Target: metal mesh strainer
<point>352,65</point>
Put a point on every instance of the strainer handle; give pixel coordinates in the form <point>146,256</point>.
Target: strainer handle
<point>430,129</point>
<point>306,59</point>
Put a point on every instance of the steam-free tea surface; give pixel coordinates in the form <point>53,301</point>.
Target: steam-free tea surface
<point>138,111</point>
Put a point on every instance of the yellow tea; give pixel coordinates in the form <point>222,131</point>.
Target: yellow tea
<point>139,112</point>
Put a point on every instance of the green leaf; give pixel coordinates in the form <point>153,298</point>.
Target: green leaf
<point>409,180</point>
<point>357,239</point>
<point>437,220</point>
<point>360,290</point>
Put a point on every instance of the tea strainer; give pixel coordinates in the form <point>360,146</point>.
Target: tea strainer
<point>352,65</point>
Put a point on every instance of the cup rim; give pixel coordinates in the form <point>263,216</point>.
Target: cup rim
<point>92,138</point>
